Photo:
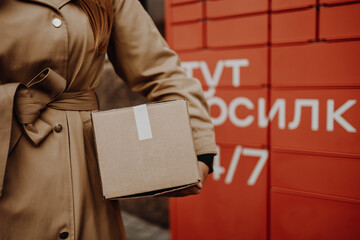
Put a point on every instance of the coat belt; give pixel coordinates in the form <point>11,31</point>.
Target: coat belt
<point>47,89</point>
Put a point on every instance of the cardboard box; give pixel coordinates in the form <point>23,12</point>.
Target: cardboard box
<point>145,150</point>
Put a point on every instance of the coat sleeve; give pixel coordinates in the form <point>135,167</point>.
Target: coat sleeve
<point>143,59</point>
<point>8,126</point>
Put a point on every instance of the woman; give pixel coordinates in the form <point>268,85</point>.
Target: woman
<point>48,172</point>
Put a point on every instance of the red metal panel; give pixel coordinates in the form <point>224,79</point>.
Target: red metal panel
<point>183,1</point>
<point>318,64</point>
<point>225,8</point>
<point>289,4</point>
<point>188,12</point>
<point>325,139</point>
<point>296,26</point>
<point>233,210</point>
<point>339,22</point>
<point>227,128</point>
<point>187,36</point>
<point>237,31</point>
<point>252,65</point>
<point>328,175</point>
<point>298,217</point>
<point>336,1</point>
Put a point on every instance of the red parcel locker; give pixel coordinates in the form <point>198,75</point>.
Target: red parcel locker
<point>304,205</point>
<point>234,114</point>
<point>300,216</point>
<point>316,120</point>
<point>299,26</point>
<point>336,1</point>
<point>290,4</point>
<point>187,36</point>
<point>248,30</point>
<point>317,174</point>
<point>228,68</point>
<point>226,8</point>
<point>188,12</point>
<point>338,22</point>
<point>316,64</point>
<point>228,207</point>
<point>183,1</point>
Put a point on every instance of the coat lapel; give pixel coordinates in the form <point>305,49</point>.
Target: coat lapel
<point>57,4</point>
<point>60,3</point>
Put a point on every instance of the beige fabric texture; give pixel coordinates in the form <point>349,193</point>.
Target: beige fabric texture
<point>50,184</point>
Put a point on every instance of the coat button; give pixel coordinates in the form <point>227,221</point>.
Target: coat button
<point>58,128</point>
<point>56,22</point>
<point>64,235</point>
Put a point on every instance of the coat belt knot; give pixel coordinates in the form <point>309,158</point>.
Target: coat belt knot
<point>47,90</point>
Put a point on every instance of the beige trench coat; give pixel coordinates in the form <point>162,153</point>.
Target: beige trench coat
<point>49,182</point>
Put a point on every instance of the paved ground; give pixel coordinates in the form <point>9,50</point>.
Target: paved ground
<point>138,229</point>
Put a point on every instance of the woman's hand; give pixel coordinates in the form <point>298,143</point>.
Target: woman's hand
<point>204,170</point>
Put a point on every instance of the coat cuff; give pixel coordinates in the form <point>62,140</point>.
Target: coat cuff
<point>208,159</point>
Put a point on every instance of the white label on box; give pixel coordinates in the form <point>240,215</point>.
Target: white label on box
<point>142,122</point>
